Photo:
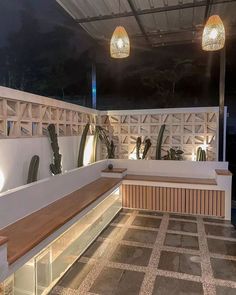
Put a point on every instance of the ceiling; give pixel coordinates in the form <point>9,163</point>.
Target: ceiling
<point>151,23</point>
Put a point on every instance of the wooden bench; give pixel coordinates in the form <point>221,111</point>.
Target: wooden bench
<point>25,234</point>
<point>187,180</point>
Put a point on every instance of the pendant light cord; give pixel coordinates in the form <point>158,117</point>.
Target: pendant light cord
<point>119,14</point>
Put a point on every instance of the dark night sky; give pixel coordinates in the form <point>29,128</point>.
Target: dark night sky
<point>122,84</point>
<point>47,12</point>
<point>122,79</point>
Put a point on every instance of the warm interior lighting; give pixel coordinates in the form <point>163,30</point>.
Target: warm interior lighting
<point>2,180</point>
<point>132,156</point>
<point>120,44</point>
<point>213,37</point>
<point>204,146</point>
<point>88,151</point>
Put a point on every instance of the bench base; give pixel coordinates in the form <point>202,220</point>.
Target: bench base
<point>174,200</point>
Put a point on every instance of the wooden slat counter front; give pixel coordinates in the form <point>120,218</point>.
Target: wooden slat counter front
<point>197,200</point>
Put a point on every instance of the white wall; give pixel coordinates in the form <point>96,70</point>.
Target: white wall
<point>193,169</point>
<point>15,156</point>
<point>22,201</point>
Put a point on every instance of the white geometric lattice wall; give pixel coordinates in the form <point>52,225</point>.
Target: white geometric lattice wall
<point>29,116</point>
<point>186,129</point>
<point>26,115</point>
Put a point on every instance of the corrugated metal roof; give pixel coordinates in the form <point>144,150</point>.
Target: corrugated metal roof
<point>160,22</point>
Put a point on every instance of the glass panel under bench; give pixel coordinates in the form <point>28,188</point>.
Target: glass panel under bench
<point>40,274</point>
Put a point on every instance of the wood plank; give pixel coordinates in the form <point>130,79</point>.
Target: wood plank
<point>222,203</point>
<point>3,240</point>
<point>114,170</point>
<point>218,203</point>
<point>223,172</point>
<point>190,201</point>
<point>203,181</point>
<point>28,232</point>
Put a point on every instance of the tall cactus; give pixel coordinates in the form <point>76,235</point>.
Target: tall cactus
<point>111,151</point>
<point>138,146</point>
<point>198,154</point>
<point>33,169</point>
<point>109,144</point>
<point>159,142</point>
<point>146,148</point>
<point>55,168</point>
<point>201,155</point>
<point>82,145</point>
<point>95,144</point>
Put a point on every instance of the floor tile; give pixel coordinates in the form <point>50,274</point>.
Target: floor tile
<point>121,218</point>
<point>171,286</point>
<point>119,282</point>
<point>220,230</point>
<point>224,269</point>
<point>178,216</point>
<point>146,221</point>
<point>151,213</point>
<point>142,236</point>
<point>75,275</point>
<point>127,210</point>
<point>222,246</point>
<point>110,232</point>
<point>178,262</point>
<point>225,291</point>
<point>131,255</point>
<point>182,226</point>
<point>96,249</point>
<point>182,241</point>
<point>216,220</point>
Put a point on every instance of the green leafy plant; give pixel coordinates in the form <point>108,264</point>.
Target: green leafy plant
<point>82,145</point>
<point>159,142</point>
<point>201,155</point>
<point>174,154</point>
<point>33,169</point>
<point>95,144</point>
<point>55,168</point>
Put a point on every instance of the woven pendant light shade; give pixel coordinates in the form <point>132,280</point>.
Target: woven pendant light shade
<point>120,44</point>
<point>213,37</point>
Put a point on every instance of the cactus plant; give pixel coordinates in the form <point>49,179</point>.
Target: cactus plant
<point>159,142</point>
<point>146,148</point>
<point>109,144</point>
<point>55,168</point>
<point>198,153</point>
<point>201,155</point>
<point>33,169</point>
<point>111,151</point>
<point>82,145</point>
<point>174,154</point>
<point>95,144</point>
<point>138,146</point>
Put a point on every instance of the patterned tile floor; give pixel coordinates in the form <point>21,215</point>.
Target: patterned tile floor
<point>161,254</point>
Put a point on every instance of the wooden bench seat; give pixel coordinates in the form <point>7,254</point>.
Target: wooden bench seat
<point>28,232</point>
<point>187,180</point>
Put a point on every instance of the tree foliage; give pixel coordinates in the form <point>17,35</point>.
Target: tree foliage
<point>43,62</point>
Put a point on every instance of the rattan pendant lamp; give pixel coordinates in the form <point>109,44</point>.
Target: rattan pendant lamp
<point>119,44</point>
<point>213,37</point>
